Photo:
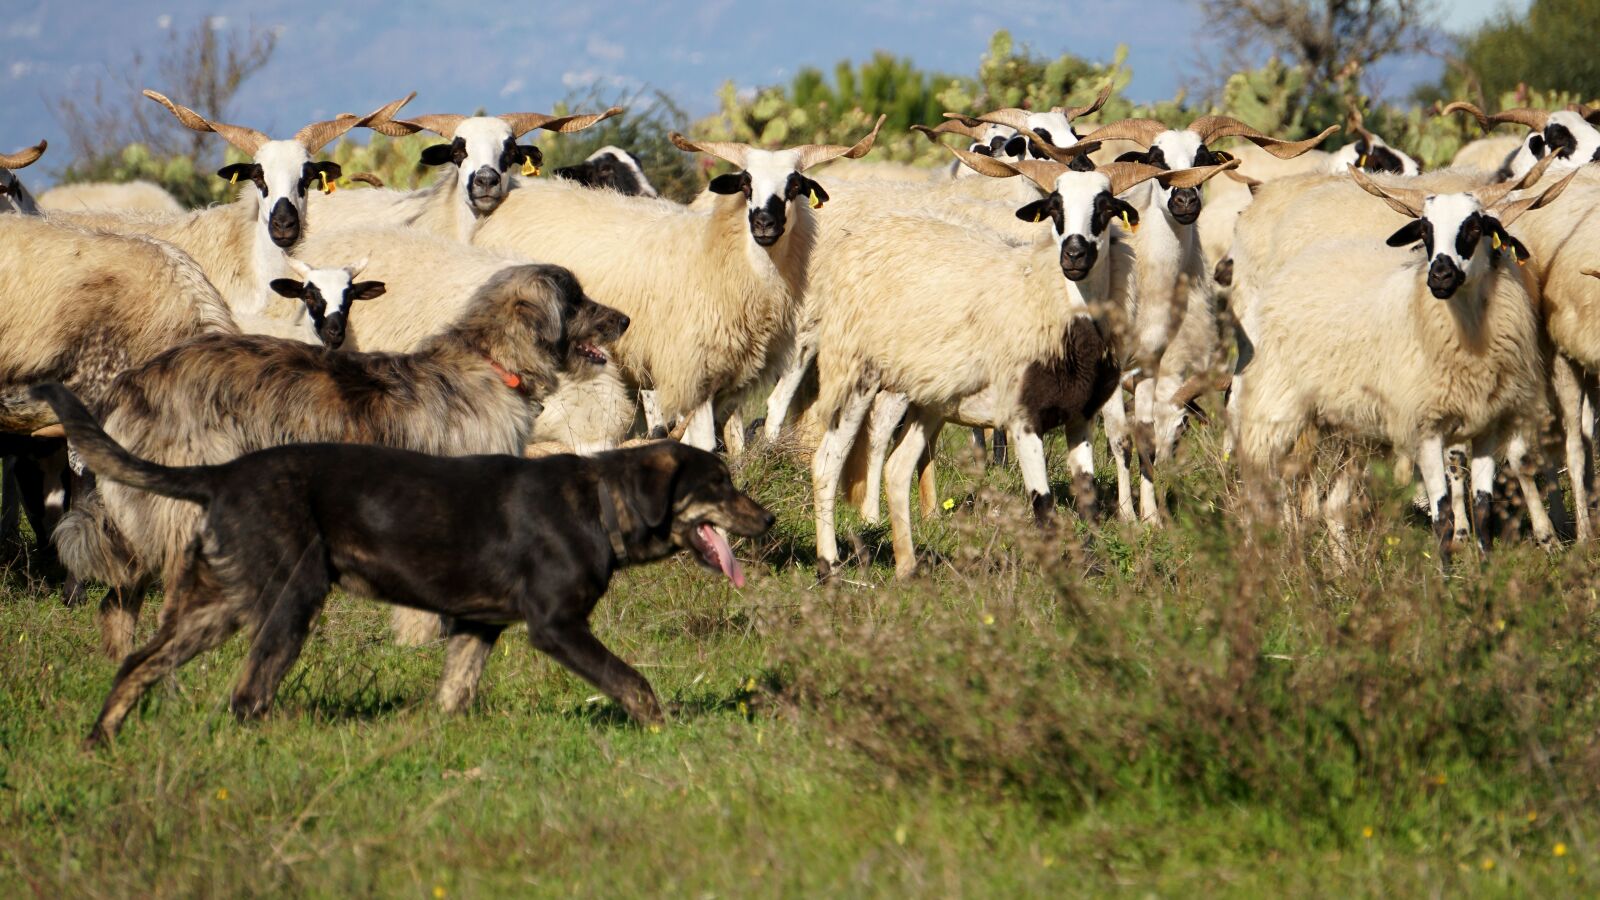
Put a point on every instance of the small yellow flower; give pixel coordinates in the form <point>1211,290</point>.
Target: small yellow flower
<point>949,503</point>
<point>751,684</point>
<point>655,729</point>
<point>1440,779</point>
<point>1367,832</point>
<point>988,618</point>
<point>1392,541</point>
<point>1560,850</point>
<point>1533,815</point>
<point>1499,625</point>
<point>438,892</point>
<point>1048,861</point>
<point>1487,864</point>
<point>222,793</point>
<point>900,835</point>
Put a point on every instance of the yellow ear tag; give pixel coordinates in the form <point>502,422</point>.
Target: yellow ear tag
<point>1133,227</point>
<point>816,202</point>
<point>326,187</point>
<point>1361,163</point>
<point>234,178</point>
<point>528,168</point>
<point>1494,239</point>
<point>1037,218</point>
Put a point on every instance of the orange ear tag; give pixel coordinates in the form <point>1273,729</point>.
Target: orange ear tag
<point>1132,226</point>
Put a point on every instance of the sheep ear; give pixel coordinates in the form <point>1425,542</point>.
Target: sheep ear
<point>732,183</point>
<point>437,155</point>
<point>1134,157</point>
<point>1017,147</point>
<point>1410,234</point>
<point>1037,211</point>
<point>287,287</point>
<point>366,290</point>
<point>237,171</point>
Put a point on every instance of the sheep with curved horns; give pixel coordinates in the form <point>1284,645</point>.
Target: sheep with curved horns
<point>1175,283</point>
<point>242,245</point>
<point>480,157</point>
<point>13,196</point>
<point>1569,135</point>
<point>1416,354</point>
<point>611,167</point>
<point>1045,363</point>
<point>713,295</point>
<point>1369,152</point>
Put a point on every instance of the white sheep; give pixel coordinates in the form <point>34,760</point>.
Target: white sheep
<point>611,167</point>
<point>108,196</point>
<point>242,245</point>
<point>1568,135</point>
<point>713,296</point>
<point>1352,339</point>
<point>480,159</point>
<point>1175,282</point>
<point>1045,362</point>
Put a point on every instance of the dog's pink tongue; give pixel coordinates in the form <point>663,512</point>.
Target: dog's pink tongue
<point>719,544</point>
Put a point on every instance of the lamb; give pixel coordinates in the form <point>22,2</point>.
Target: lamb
<point>327,298</point>
<point>481,152</point>
<point>106,196</point>
<point>714,294</point>
<point>611,167</point>
<point>470,389</point>
<point>1046,362</point>
<point>241,246</point>
<point>1346,341</point>
<point>1175,283</point>
<point>13,196</point>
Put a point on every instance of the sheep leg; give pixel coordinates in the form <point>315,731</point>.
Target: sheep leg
<point>1483,492</point>
<point>654,421</point>
<point>1035,475</point>
<point>1569,391</point>
<point>1144,439</point>
<point>1430,460</point>
<point>1544,531</point>
<point>1336,513</point>
<point>782,396</point>
<point>733,433</point>
<point>1080,460</point>
<point>1455,474</point>
<point>826,464</point>
<point>701,429</point>
<point>888,408</point>
<point>1114,416</point>
<point>903,464</point>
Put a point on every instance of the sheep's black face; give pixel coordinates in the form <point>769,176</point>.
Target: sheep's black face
<point>1560,140</point>
<point>604,170</point>
<point>1383,159</point>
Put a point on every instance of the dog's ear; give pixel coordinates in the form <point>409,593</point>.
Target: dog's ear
<point>655,481</point>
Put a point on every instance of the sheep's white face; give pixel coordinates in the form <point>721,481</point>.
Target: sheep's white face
<point>484,151</point>
<point>1176,150</point>
<point>1451,229</point>
<point>282,171</point>
<point>1080,210</point>
<point>328,295</point>
<point>1571,139</point>
<point>771,180</point>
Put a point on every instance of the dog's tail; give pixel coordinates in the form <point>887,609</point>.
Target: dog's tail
<point>110,459</point>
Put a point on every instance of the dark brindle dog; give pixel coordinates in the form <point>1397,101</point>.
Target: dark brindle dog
<point>485,540</point>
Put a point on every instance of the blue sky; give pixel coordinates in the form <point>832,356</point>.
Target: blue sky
<point>525,55</point>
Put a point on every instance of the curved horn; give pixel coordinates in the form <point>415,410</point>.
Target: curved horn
<point>442,124</point>
<point>1060,154</point>
<point>1592,273</point>
<point>1469,109</point>
<point>1405,201</point>
<point>987,165</point>
<point>23,158</point>
<point>317,135</point>
<point>1042,172</point>
<point>1073,112</point>
<point>1212,128</point>
<point>730,151</point>
<point>817,154</point>
<point>522,123</point>
<point>247,139</point>
<point>1246,180</point>
<point>1127,176</point>
<point>368,178</point>
<point>1011,117</point>
<point>953,126</point>
<point>1491,194</point>
<point>1141,131</point>
<point>1358,125</point>
<point>1513,211</point>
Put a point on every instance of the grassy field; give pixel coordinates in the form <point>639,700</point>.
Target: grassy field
<point>1192,710</point>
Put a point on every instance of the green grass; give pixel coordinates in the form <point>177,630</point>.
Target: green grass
<point>1215,711</point>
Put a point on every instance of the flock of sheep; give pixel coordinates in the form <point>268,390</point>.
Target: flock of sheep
<point>1057,272</point>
